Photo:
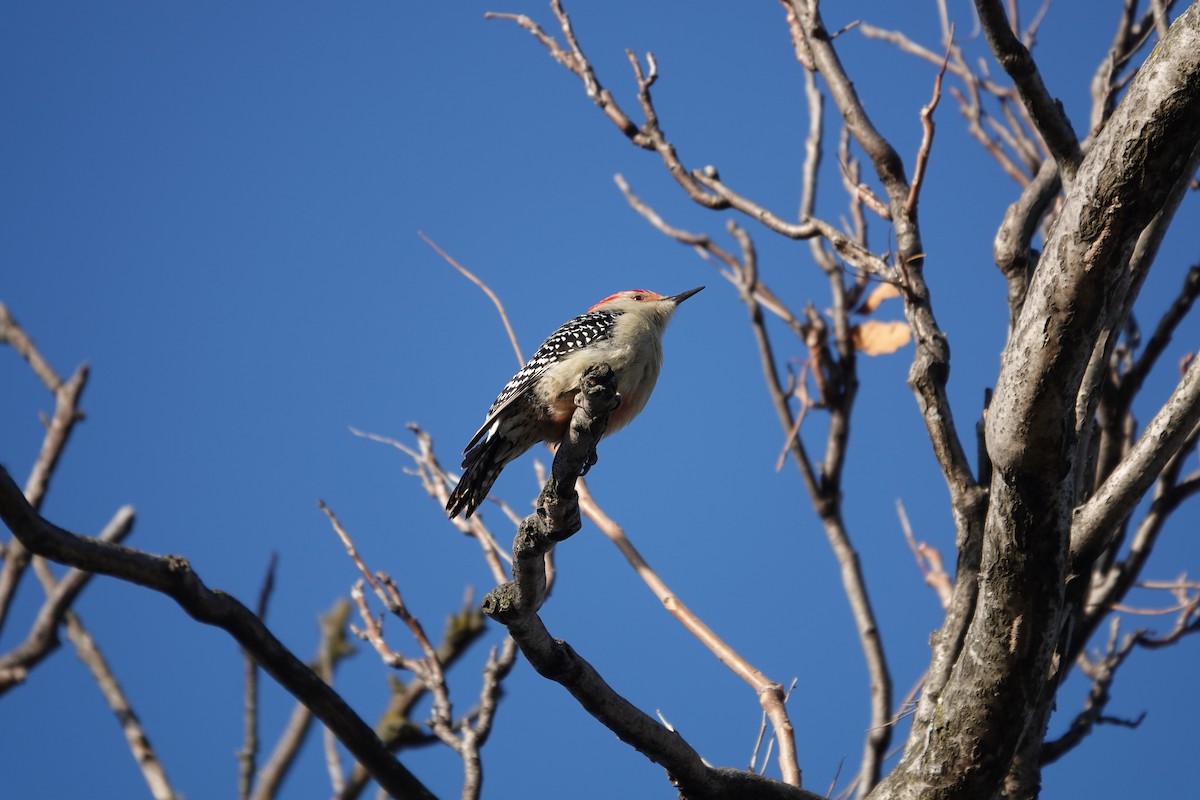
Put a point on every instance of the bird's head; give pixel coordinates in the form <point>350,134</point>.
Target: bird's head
<point>652,305</point>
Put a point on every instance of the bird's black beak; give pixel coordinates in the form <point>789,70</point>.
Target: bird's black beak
<point>679,298</point>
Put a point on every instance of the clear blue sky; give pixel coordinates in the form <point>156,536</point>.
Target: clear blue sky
<point>217,206</point>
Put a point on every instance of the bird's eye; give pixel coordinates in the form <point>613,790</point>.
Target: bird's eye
<point>639,296</point>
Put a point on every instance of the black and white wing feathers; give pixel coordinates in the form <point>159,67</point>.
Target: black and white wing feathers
<point>575,334</point>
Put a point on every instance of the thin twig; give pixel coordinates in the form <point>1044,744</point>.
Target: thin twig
<point>333,762</point>
<point>512,336</point>
<point>1046,111</point>
<point>929,560</point>
<point>914,191</point>
<point>135,736</point>
<point>11,333</point>
<point>397,726</point>
<point>1163,438</point>
<point>968,98</point>
<point>1102,671</point>
<point>463,738</point>
<point>248,755</point>
<point>332,648</point>
<point>67,395</point>
<point>436,480</point>
<point>705,246</point>
<point>770,694</point>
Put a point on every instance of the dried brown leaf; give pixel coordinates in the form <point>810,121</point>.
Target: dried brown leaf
<point>880,338</point>
<point>884,291</point>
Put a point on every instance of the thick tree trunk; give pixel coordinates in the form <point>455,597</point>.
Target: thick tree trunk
<point>966,745</point>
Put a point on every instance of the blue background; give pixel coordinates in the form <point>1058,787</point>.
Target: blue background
<point>217,205</point>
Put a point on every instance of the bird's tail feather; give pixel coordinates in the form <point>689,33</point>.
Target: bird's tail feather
<point>482,465</point>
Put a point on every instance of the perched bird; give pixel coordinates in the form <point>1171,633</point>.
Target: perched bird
<point>624,331</point>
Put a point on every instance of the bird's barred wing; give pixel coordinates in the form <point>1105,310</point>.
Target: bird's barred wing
<point>575,334</point>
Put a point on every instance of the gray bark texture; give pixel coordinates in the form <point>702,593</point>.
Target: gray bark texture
<point>1001,682</point>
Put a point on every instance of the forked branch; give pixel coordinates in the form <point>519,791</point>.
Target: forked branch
<point>173,576</point>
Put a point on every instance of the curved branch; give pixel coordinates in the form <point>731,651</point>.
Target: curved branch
<point>173,576</point>
<point>1131,381</point>
<point>60,596</point>
<point>146,757</point>
<point>332,648</point>
<point>473,278</point>
<point>770,694</point>
<point>556,660</point>
<point>1047,111</point>
<point>1133,476</point>
<point>1012,248</point>
<point>649,136</point>
<point>885,158</point>
<point>58,432</point>
<point>1103,672</point>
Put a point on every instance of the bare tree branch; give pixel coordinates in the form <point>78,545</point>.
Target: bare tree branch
<point>1110,586</point>
<point>1011,134</point>
<point>1047,112</point>
<point>1132,380</point>
<point>248,755</point>
<point>66,413</point>
<point>396,726</point>
<point>929,561</point>
<point>465,736</point>
<point>466,273</point>
<point>1117,496</point>
<point>42,638</point>
<point>1186,610</point>
<point>703,186</point>
<point>174,577</point>
<point>436,480</point>
<point>931,360</point>
<point>770,694</point>
<point>1012,248</point>
<point>927,376</point>
<point>1102,671</point>
<point>61,594</point>
<point>556,660</point>
<point>824,489</point>
<point>649,136</point>
<point>139,745</point>
<point>1019,622</point>
<point>927,126</point>
<point>11,333</point>
<point>332,648</point>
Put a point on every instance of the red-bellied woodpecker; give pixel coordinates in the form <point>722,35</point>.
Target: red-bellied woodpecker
<point>624,331</point>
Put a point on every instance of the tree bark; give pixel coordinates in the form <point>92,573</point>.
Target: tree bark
<point>965,748</point>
